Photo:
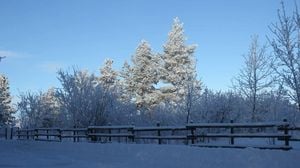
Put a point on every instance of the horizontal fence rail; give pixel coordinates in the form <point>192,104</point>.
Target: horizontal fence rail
<point>194,134</point>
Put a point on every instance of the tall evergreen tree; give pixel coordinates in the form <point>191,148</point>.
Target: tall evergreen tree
<point>6,110</point>
<point>126,83</point>
<point>144,75</point>
<point>178,69</point>
<point>51,109</point>
<point>108,77</point>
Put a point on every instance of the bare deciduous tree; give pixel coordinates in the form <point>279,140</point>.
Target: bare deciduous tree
<point>286,46</point>
<point>255,76</point>
<point>83,99</point>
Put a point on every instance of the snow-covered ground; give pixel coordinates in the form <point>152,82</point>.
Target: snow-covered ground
<point>32,154</point>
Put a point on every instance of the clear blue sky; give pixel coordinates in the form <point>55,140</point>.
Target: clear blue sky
<point>40,36</point>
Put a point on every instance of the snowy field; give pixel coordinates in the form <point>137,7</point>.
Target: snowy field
<point>31,154</point>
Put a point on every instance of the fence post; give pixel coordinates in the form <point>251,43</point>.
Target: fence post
<point>47,132</point>
<point>231,132</point>
<point>92,131</point>
<point>27,133</point>
<point>132,132</point>
<point>158,133</point>
<point>109,131</point>
<point>77,135</point>
<point>18,132</point>
<point>192,133</point>
<point>86,132</point>
<point>60,134</point>
<point>5,132</point>
<point>74,133</point>
<point>286,132</point>
<point>88,136</point>
<point>119,138</point>
<point>11,132</point>
<point>36,132</point>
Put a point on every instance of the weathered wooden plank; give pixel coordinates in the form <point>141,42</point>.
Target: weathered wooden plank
<point>111,127</point>
<point>164,128</point>
<point>45,134</point>
<point>74,129</point>
<point>290,128</point>
<point>294,139</point>
<point>76,136</point>
<point>244,146</point>
<point>246,135</point>
<point>49,129</point>
<point>290,139</point>
<point>25,130</point>
<point>26,134</point>
<point>110,135</point>
<point>236,125</point>
<point>50,140</point>
<point>294,128</point>
<point>161,137</point>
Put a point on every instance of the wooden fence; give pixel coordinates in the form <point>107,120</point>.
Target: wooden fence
<point>52,134</point>
<point>194,134</point>
<point>279,130</point>
<point>7,132</point>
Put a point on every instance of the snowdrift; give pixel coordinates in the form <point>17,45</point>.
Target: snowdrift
<point>33,154</point>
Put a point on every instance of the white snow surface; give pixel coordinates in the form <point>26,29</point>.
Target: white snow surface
<point>32,154</point>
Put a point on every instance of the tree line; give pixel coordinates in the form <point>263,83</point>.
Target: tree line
<point>164,87</point>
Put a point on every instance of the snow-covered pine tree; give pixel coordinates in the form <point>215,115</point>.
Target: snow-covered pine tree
<point>178,71</point>
<point>6,110</point>
<point>144,76</point>
<point>108,77</point>
<point>127,87</point>
<point>51,109</point>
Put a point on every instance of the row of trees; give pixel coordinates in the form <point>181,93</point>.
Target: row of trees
<point>262,73</point>
<point>81,101</point>
<point>76,105</point>
<point>163,87</point>
<point>153,79</point>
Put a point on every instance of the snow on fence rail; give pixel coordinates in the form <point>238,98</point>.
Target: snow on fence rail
<point>52,134</point>
<point>193,133</point>
<point>294,128</point>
